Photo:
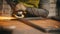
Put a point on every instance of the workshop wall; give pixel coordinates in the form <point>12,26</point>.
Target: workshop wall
<point>6,9</point>
<point>1,6</point>
<point>49,5</point>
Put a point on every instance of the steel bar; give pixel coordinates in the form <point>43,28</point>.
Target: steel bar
<point>27,22</point>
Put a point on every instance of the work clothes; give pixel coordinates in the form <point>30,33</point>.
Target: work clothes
<point>29,3</point>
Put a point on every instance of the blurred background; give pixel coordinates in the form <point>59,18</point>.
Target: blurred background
<point>49,5</point>
<point>7,26</point>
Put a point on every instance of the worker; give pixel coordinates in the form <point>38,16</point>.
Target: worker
<point>29,7</point>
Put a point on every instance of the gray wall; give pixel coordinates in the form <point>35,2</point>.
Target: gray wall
<point>1,1</point>
<point>5,9</point>
<point>49,5</point>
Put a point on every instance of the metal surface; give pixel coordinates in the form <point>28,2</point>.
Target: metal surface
<point>22,28</point>
<point>25,21</point>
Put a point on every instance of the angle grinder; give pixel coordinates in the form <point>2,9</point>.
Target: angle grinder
<point>19,14</point>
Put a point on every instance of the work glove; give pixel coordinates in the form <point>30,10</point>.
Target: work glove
<point>19,10</point>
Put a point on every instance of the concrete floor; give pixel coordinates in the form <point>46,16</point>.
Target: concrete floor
<point>21,28</point>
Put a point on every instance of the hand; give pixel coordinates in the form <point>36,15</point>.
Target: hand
<point>20,6</point>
